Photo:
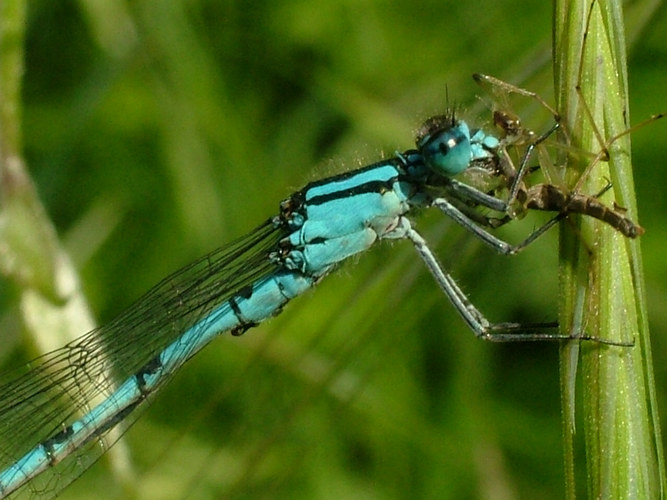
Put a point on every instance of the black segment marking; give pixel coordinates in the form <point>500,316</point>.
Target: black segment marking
<point>244,325</point>
<point>149,369</point>
<point>367,187</point>
<point>395,162</point>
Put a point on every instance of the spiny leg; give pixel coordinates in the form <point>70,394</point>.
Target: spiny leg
<point>508,88</point>
<point>492,241</point>
<point>482,328</point>
<point>478,323</point>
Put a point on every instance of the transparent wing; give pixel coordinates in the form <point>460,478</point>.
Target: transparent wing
<point>39,400</point>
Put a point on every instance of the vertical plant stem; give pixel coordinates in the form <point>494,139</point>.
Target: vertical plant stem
<point>624,457</point>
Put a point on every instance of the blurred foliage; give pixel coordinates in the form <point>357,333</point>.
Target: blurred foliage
<point>157,131</point>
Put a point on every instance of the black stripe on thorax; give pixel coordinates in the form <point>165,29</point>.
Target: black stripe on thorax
<point>367,187</point>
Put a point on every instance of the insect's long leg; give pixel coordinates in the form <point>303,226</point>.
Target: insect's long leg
<point>485,236</point>
<point>499,332</point>
<point>478,323</point>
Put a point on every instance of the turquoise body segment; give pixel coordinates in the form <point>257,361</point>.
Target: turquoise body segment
<point>346,216</point>
<point>359,200</point>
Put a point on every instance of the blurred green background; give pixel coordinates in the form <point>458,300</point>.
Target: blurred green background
<point>157,131</point>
